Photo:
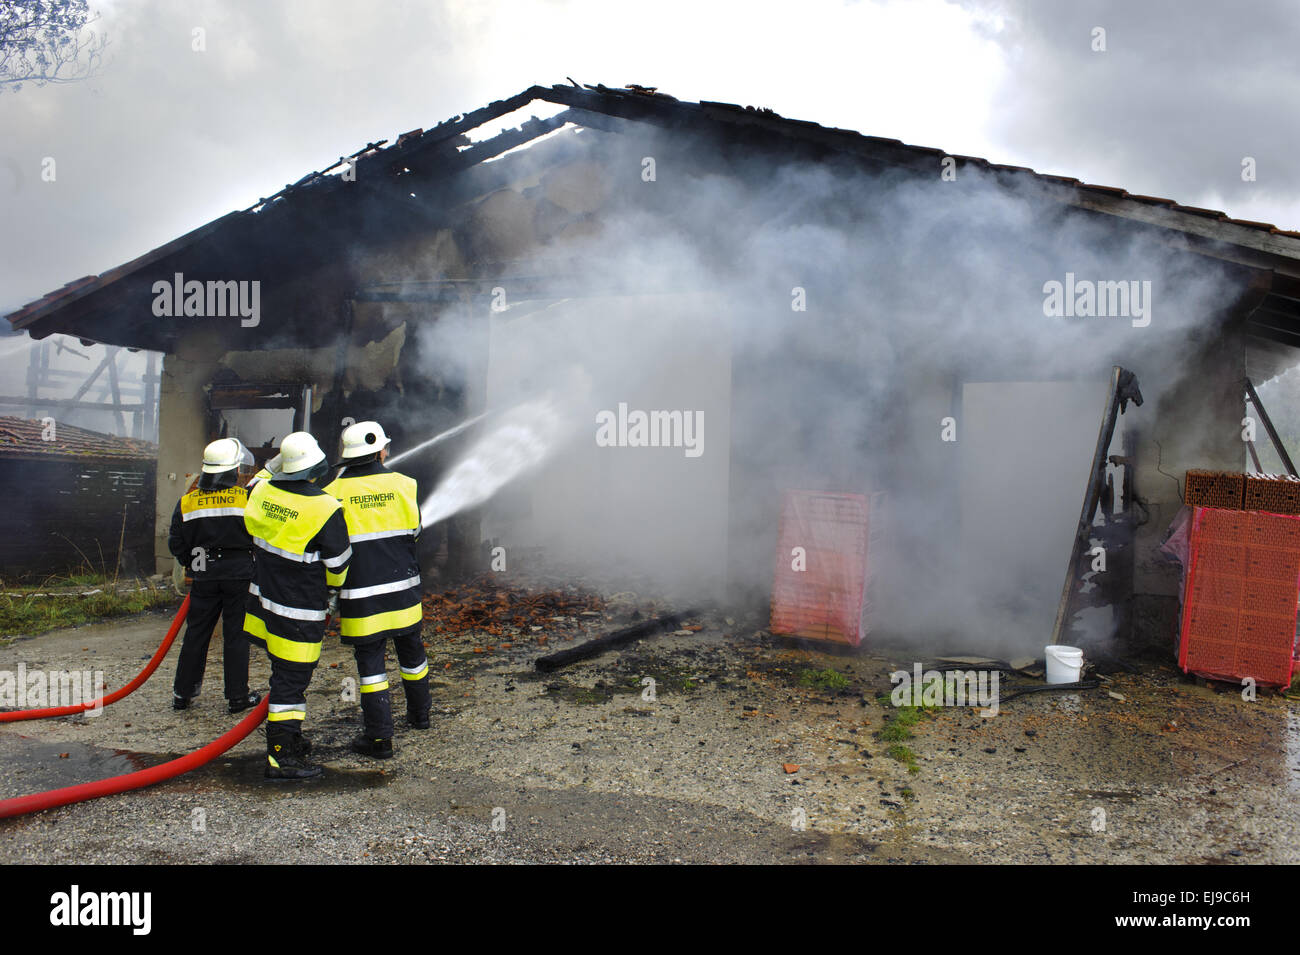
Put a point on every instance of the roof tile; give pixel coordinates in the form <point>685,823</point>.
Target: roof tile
<point>22,437</point>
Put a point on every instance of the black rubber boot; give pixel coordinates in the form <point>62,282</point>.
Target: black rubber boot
<point>291,768</point>
<point>377,748</point>
<point>181,702</point>
<point>284,760</point>
<point>241,703</point>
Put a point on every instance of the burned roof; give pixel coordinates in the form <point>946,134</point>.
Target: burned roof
<point>30,438</point>
<point>440,153</point>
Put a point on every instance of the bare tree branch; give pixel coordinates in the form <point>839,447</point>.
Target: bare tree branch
<point>47,41</point>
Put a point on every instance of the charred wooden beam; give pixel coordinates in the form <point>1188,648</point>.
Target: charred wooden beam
<point>116,406</point>
<point>1123,389</point>
<point>612,640</point>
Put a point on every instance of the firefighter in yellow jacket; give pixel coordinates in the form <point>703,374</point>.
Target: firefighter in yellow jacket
<point>302,553</point>
<point>382,598</point>
<point>209,538</point>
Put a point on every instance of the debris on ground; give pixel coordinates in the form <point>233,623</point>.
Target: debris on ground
<point>497,609</point>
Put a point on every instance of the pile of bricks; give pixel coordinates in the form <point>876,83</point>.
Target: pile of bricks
<point>1272,493</point>
<point>1226,489</point>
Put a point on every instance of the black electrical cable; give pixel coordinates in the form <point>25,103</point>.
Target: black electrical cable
<point>1002,666</point>
<point>1081,685</point>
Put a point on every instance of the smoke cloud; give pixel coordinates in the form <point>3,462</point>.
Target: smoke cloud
<point>823,322</point>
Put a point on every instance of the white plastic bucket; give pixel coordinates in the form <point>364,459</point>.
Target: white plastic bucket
<point>1063,664</point>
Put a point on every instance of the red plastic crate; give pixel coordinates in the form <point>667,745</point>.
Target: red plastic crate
<point>830,599</point>
<point>1243,581</point>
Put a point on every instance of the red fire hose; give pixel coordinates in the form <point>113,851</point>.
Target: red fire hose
<point>21,805</point>
<point>16,715</point>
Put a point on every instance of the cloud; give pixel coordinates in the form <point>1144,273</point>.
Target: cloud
<point>1182,93</point>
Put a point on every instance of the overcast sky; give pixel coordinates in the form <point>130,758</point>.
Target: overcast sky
<point>166,137</point>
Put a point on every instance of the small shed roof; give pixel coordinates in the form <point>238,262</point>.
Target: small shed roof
<point>29,438</point>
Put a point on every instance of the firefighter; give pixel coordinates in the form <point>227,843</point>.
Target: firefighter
<point>382,597</point>
<point>209,539</point>
<point>301,541</point>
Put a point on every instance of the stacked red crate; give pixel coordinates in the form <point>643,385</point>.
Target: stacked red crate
<point>821,586</point>
<point>1243,581</point>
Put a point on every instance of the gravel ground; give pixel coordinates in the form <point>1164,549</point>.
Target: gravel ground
<point>587,765</point>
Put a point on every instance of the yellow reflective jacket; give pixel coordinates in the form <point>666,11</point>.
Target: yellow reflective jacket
<point>382,596</point>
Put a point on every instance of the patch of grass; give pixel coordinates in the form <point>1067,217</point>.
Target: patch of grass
<point>900,725</point>
<point>904,755</point>
<point>828,679</point>
<point>908,715</point>
<point>898,730</point>
<point>84,579</point>
<point>32,614</point>
<point>895,732</point>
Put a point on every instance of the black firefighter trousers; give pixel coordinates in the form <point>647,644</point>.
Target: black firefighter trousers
<point>376,701</point>
<point>211,600</point>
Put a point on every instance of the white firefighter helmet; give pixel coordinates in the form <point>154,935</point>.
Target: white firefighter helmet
<point>299,452</point>
<point>362,439</point>
<point>225,454</point>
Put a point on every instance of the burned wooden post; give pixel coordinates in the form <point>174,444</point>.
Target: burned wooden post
<point>1123,388</point>
<point>611,640</point>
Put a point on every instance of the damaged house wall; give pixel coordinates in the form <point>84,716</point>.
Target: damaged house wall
<point>829,398</point>
<point>826,299</point>
<point>182,431</point>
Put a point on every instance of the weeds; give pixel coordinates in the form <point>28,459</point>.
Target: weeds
<point>827,679</point>
<point>904,755</point>
<point>897,731</point>
<point>48,609</point>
